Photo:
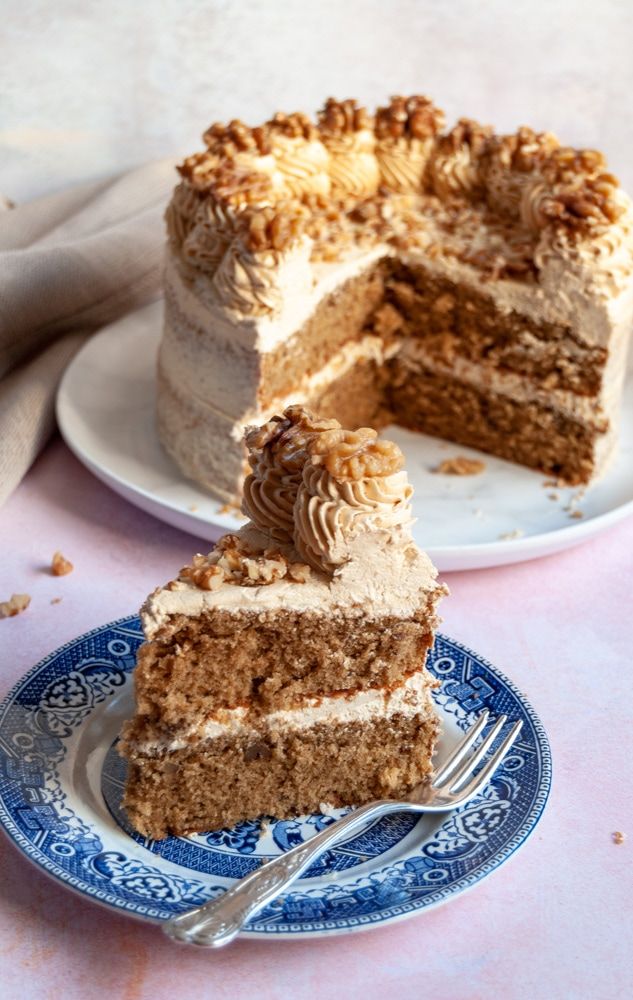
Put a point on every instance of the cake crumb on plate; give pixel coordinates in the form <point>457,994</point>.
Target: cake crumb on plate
<point>460,466</point>
<point>508,536</point>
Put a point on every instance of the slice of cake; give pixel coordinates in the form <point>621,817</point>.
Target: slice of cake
<point>379,268</point>
<point>286,668</point>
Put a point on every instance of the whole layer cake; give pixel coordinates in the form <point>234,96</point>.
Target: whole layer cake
<point>473,286</point>
<point>287,667</point>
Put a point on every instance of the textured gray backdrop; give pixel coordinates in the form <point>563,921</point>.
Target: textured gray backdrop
<point>89,88</point>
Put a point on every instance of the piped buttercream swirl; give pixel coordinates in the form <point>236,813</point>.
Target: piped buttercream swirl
<point>353,165</point>
<point>268,499</point>
<point>330,515</point>
<point>303,165</point>
<point>255,282</point>
<point>248,282</point>
<point>210,237</point>
<point>402,163</point>
<point>456,173</point>
<point>277,453</point>
<point>181,212</point>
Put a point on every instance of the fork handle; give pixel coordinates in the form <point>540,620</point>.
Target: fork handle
<point>219,921</point>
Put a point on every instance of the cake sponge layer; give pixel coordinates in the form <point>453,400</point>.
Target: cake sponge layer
<point>273,660</point>
<point>281,774</point>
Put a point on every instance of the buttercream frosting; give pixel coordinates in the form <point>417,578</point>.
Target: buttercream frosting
<point>410,699</point>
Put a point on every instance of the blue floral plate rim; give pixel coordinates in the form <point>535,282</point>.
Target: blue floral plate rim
<point>57,723</point>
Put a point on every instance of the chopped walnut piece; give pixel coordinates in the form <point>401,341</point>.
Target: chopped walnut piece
<point>204,575</point>
<point>275,228</point>
<point>296,125</point>
<point>236,137</point>
<point>354,455</point>
<point>409,116</point>
<point>460,466</point>
<point>299,572</point>
<point>343,117</point>
<point>61,566</point>
<point>287,437</point>
<point>524,150</point>
<point>15,606</point>
<point>234,562</point>
<point>466,132</point>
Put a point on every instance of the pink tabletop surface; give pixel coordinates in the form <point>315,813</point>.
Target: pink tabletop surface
<point>556,921</point>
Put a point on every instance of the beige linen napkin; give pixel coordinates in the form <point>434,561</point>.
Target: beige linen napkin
<point>69,264</point>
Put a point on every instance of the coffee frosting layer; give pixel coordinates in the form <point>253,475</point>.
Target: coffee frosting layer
<point>379,579</point>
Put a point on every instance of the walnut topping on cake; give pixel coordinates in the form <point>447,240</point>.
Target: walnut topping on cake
<point>287,438</point>
<point>415,116</point>
<point>354,455</point>
<point>275,228</point>
<point>296,125</point>
<point>577,193</point>
<point>343,117</point>
<point>235,562</point>
<point>237,137</point>
<point>467,132</point>
<point>524,150</point>
<point>355,180</point>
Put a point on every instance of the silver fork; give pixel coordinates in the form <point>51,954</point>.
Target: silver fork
<point>219,921</point>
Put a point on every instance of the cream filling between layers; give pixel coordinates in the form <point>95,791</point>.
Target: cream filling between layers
<point>411,698</point>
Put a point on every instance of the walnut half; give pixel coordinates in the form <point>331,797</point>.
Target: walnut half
<point>354,455</point>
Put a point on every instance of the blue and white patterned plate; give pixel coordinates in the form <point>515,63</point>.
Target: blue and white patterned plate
<point>61,781</point>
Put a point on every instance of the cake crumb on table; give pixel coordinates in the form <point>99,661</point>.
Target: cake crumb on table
<point>507,536</point>
<point>14,606</point>
<point>618,837</point>
<point>460,466</point>
<point>60,566</point>
<point>56,600</point>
